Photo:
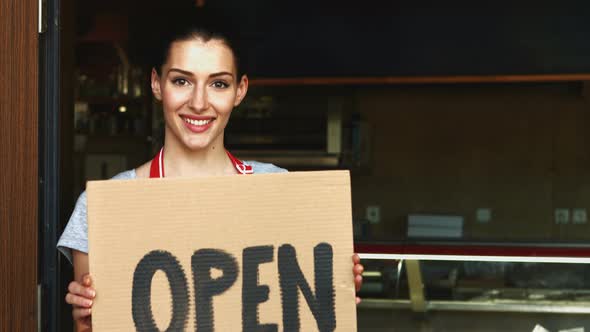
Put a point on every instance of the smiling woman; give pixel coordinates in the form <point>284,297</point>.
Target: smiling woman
<point>198,77</point>
<point>198,96</point>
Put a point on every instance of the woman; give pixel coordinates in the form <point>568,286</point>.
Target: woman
<point>197,78</point>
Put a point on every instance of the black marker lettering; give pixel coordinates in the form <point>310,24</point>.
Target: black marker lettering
<point>291,278</point>
<point>252,292</point>
<point>142,286</point>
<point>205,287</point>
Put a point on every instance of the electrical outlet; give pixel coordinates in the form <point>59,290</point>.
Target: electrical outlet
<point>579,216</point>
<point>373,214</point>
<point>483,215</point>
<point>562,216</point>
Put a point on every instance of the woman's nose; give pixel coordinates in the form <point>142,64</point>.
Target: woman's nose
<point>199,101</point>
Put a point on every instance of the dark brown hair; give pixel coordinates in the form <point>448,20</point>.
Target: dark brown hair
<point>202,25</point>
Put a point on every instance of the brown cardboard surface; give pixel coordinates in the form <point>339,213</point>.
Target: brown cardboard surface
<point>129,219</point>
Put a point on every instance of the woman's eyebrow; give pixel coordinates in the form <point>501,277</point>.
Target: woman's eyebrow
<point>188,73</point>
<point>184,72</point>
<point>223,73</point>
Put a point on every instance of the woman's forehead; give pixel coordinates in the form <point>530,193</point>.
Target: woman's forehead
<point>197,56</point>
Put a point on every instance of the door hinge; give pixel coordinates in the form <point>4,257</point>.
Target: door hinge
<point>42,15</point>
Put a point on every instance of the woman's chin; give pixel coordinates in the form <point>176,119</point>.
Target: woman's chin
<point>196,142</point>
<point>197,145</point>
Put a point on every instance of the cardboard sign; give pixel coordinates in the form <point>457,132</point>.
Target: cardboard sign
<point>268,252</point>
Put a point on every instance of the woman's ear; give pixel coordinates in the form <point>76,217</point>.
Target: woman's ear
<point>242,90</point>
<point>156,90</point>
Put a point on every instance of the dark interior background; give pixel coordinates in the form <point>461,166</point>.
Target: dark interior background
<point>519,149</point>
<point>386,38</point>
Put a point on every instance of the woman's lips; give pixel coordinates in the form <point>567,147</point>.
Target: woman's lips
<point>197,124</point>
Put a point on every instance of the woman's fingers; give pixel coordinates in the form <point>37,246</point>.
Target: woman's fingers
<point>79,295</point>
<point>358,269</point>
<point>78,301</point>
<point>81,313</point>
<point>77,289</point>
<point>356,259</point>
<point>86,280</point>
<point>358,282</point>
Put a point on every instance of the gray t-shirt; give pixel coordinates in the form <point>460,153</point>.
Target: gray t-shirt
<point>75,235</point>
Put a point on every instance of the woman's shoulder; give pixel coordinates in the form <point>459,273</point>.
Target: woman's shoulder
<point>126,175</point>
<point>75,235</point>
<point>143,171</point>
<point>260,167</point>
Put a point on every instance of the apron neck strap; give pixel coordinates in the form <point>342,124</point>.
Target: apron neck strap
<point>157,165</point>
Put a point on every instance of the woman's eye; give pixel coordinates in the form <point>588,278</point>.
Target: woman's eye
<point>220,84</point>
<point>180,81</point>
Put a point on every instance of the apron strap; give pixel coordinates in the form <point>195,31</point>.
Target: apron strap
<point>157,165</point>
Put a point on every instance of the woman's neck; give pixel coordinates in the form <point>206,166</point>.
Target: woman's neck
<point>180,161</point>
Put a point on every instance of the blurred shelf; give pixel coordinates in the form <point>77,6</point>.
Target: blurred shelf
<point>562,307</point>
<point>290,158</point>
<point>295,81</point>
<point>127,144</point>
<point>128,137</point>
<point>110,100</point>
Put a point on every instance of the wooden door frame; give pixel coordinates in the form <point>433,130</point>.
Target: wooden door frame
<point>19,157</point>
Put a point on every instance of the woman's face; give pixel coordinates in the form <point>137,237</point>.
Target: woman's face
<point>198,88</point>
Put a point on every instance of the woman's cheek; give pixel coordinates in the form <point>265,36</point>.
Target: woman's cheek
<point>222,107</point>
<point>174,100</point>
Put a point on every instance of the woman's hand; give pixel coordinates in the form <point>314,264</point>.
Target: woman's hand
<point>357,271</point>
<point>81,297</point>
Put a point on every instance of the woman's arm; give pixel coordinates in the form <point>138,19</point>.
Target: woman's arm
<point>80,293</point>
